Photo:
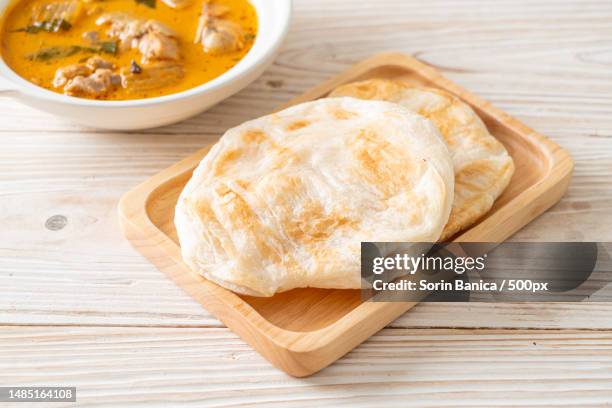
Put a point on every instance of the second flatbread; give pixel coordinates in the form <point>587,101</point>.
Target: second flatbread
<point>483,168</point>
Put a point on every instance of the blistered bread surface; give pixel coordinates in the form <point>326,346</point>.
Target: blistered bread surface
<point>284,201</point>
<point>483,168</point>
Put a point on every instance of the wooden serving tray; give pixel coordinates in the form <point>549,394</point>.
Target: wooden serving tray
<point>304,330</point>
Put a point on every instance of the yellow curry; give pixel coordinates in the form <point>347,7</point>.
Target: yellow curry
<point>125,49</point>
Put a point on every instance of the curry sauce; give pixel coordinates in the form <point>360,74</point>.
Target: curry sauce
<point>42,49</point>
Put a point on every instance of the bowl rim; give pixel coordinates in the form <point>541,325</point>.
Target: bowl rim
<point>265,45</point>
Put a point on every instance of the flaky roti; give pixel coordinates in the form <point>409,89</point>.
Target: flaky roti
<point>483,167</point>
<point>284,201</point>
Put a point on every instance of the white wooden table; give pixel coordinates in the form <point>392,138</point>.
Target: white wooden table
<point>79,306</point>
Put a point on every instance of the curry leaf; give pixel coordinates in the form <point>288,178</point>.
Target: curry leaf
<point>109,47</point>
<point>46,54</point>
<point>148,3</point>
<point>50,26</point>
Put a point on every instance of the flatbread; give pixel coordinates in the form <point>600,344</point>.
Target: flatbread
<point>284,201</point>
<point>483,167</point>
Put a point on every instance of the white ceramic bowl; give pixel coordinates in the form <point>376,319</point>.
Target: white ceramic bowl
<point>274,17</point>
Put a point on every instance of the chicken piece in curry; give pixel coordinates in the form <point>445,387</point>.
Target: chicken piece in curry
<point>125,49</point>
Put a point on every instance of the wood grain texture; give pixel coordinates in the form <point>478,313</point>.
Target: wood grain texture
<point>303,330</point>
<point>547,62</point>
<point>213,368</point>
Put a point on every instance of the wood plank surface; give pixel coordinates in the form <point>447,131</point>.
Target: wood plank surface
<point>212,367</point>
<point>549,67</point>
<point>64,263</point>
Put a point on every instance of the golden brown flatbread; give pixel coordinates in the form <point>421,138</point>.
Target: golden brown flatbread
<point>483,167</point>
<point>284,201</point>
